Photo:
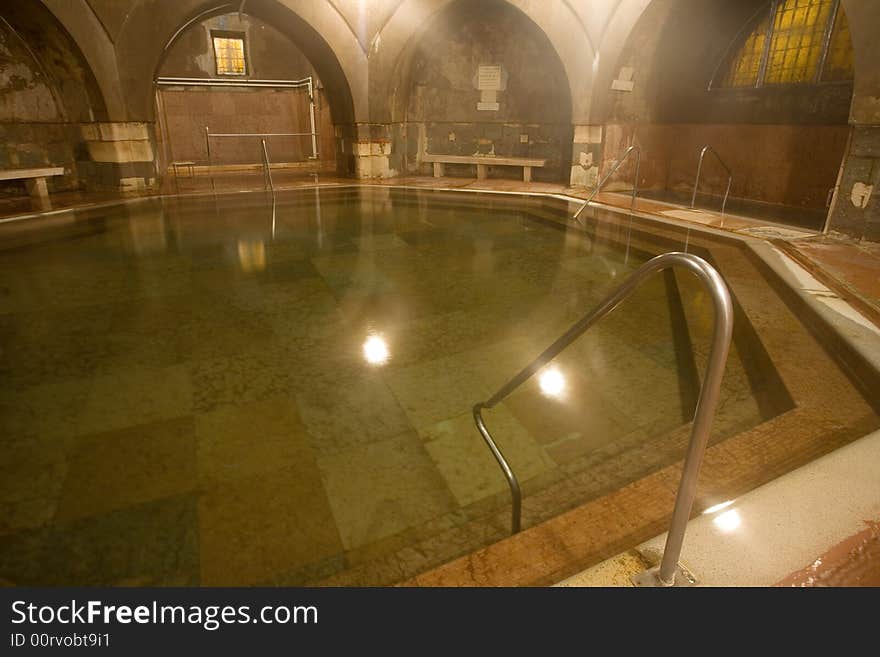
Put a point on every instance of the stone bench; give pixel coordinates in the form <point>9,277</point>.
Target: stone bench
<point>482,162</point>
<point>35,179</point>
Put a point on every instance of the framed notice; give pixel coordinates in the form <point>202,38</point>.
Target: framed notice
<point>489,78</point>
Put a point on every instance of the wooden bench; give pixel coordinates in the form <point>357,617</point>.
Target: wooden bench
<point>35,179</point>
<point>482,162</point>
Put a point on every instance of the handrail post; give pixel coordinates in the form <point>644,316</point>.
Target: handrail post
<point>267,168</point>
<point>705,413</point>
<point>706,148</point>
<point>608,175</point>
<point>210,160</point>
<point>697,181</point>
<point>512,481</point>
<point>632,204</point>
<point>312,118</point>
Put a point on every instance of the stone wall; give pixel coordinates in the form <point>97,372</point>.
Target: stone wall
<point>184,111</point>
<point>45,93</point>
<point>530,116</point>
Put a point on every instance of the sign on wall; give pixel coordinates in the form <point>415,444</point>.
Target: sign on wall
<point>489,80</point>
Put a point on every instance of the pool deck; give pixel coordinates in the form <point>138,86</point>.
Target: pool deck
<point>828,507</point>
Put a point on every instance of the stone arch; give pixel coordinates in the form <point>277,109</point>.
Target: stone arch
<point>317,30</point>
<point>763,133</point>
<point>97,51</point>
<point>393,46</point>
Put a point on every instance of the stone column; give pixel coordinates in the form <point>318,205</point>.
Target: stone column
<point>856,207</point>
<point>373,151</point>
<point>120,156</point>
<point>586,153</point>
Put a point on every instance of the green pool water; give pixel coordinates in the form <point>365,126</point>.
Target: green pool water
<point>234,391</point>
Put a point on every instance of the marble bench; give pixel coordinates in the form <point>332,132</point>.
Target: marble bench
<point>35,179</point>
<point>482,162</point>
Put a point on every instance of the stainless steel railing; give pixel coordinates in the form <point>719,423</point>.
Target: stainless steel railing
<point>699,170</point>
<point>626,154</point>
<point>262,135</point>
<point>267,167</point>
<point>703,416</point>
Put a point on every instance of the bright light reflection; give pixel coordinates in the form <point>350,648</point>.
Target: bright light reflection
<point>552,382</point>
<point>728,521</point>
<point>717,507</point>
<point>376,350</point>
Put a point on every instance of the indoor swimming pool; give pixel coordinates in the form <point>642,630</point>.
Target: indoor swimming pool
<point>243,389</point>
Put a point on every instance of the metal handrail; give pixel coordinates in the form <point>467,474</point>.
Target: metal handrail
<point>604,180</point>
<point>703,416</point>
<point>261,134</point>
<point>266,167</point>
<point>707,147</point>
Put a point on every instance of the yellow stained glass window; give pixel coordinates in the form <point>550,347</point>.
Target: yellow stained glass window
<point>839,60</point>
<point>229,53</point>
<point>797,41</point>
<point>793,47</point>
<point>743,69</point>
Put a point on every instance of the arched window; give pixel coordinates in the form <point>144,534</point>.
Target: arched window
<point>790,42</point>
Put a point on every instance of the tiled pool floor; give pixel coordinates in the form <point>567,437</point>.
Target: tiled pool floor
<point>187,397</point>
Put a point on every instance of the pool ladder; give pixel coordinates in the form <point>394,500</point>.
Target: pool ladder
<point>703,152</point>
<point>669,572</point>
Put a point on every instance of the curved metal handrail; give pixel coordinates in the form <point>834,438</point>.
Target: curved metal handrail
<point>703,416</point>
<point>707,147</point>
<point>604,180</point>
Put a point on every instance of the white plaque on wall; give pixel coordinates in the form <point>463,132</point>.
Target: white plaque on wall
<point>488,106</point>
<point>489,78</point>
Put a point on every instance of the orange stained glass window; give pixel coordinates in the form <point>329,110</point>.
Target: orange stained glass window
<point>797,41</point>
<point>839,60</point>
<point>229,54</point>
<point>743,69</point>
<point>793,46</point>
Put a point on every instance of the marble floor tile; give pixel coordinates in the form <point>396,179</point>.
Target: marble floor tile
<point>439,389</point>
<point>382,488</point>
<point>126,467</point>
<point>133,397</point>
<point>249,439</point>
<point>153,543</point>
<point>254,528</point>
<point>346,412</point>
<point>463,458</point>
<point>250,376</point>
<point>48,410</point>
<point>31,480</point>
<point>579,411</point>
<point>380,242</point>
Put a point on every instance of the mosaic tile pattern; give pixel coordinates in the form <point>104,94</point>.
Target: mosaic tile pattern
<point>189,396</point>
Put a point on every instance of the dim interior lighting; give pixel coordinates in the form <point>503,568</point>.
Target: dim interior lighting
<point>727,521</point>
<point>552,382</point>
<point>717,507</point>
<point>376,350</point>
